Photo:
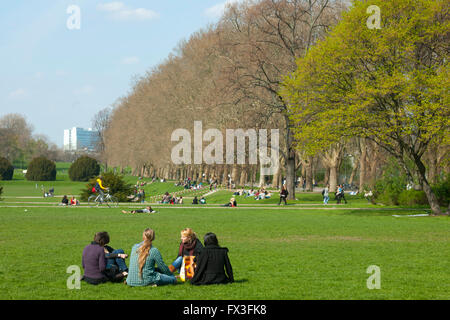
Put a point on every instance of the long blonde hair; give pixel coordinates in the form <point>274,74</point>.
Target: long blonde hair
<point>144,250</point>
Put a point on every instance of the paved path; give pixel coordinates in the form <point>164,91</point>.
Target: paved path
<point>251,207</point>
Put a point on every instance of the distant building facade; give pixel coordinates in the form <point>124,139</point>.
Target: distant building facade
<point>79,139</point>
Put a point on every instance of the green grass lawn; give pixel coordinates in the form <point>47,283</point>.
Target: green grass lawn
<point>276,253</point>
<point>301,251</point>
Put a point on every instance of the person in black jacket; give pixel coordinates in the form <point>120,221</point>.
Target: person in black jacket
<point>283,195</point>
<point>211,263</point>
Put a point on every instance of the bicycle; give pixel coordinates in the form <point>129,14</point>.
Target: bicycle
<point>109,200</point>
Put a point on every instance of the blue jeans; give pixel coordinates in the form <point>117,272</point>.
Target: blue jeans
<point>117,261</point>
<point>178,262</point>
<point>325,199</point>
<point>165,279</point>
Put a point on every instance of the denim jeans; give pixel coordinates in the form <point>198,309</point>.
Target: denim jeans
<point>325,199</point>
<point>165,279</point>
<point>117,261</point>
<point>178,262</point>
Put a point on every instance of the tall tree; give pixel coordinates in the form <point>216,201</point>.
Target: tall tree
<point>260,42</point>
<point>388,85</point>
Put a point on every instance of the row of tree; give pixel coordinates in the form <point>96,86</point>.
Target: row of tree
<point>227,76</point>
<point>278,64</point>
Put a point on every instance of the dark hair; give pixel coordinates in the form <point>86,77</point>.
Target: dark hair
<point>101,238</point>
<point>210,239</point>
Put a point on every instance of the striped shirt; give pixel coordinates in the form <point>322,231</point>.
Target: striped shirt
<point>149,273</point>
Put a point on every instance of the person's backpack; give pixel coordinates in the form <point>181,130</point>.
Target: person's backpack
<point>323,192</point>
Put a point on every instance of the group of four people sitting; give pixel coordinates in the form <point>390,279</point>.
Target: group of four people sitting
<point>101,263</point>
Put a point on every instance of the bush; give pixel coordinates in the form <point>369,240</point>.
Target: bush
<point>116,184</point>
<point>6,169</point>
<point>41,169</point>
<point>83,169</point>
<point>387,190</point>
<point>442,191</point>
<point>412,198</point>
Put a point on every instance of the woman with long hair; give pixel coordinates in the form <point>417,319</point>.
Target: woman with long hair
<point>146,264</point>
<point>190,245</point>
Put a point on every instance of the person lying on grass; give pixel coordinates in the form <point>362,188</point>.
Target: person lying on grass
<point>146,264</point>
<point>147,209</point>
<point>102,263</point>
<point>211,263</point>
<point>190,246</point>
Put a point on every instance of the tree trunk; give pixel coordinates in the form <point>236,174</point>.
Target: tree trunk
<point>362,165</point>
<point>333,178</point>
<point>432,199</point>
<point>290,177</point>
<point>309,174</point>
<point>262,181</point>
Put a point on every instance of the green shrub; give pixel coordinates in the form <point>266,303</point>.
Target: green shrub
<point>83,169</point>
<point>442,191</point>
<point>388,189</point>
<point>412,198</point>
<point>6,169</point>
<point>41,169</point>
<point>116,184</point>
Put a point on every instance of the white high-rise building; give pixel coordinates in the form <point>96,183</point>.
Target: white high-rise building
<point>79,139</point>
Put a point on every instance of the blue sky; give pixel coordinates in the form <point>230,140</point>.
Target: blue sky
<point>60,78</point>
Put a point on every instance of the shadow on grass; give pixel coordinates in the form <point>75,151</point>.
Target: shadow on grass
<point>241,281</point>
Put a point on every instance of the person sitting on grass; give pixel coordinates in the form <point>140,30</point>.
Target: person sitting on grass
<point>147,209</point>
<point>166,198</point>
<point>190,245</point>
<point>202,200</point>
<point>74,201</point>
<point>232,203</point>
<point>212,264</point>
<point>195,201</point>
<point>102,264</point>
<point>146,264</point>
<point>65,201</point>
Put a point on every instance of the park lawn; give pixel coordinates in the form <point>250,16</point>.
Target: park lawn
<point>276,253</point>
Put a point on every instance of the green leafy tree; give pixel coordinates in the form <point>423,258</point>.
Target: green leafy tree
<point>83,169</point>
<point>389,85</point>
<point>6,169</point>
<point>41,169</point>
<point>116,184</point>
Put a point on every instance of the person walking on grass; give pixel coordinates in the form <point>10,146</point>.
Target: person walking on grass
<point>325,194</point>
<point>147,266</point>
<point>212,264</point>
<point>283,195</point>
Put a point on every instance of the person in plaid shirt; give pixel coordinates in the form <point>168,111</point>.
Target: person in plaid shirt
<point>146,264</point>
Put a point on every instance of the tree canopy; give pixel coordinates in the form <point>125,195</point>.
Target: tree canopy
<point>389,85</point>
